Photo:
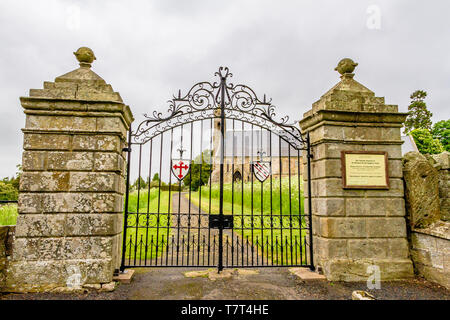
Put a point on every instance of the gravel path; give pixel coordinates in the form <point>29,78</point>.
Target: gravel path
<point>270,283</point>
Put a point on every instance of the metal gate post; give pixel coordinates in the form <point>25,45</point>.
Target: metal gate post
<point>127,192</point>
<point>309,155</point>
<point>222,158</point>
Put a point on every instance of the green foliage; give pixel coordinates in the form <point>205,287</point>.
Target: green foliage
<point>9,187</point>
<point>7,190</point>
<point>139,183</point>
<point>441,131</point>
<point>148,203</point>
<point>155,177</point>
<point>8,215</point>
<point>419,117</point>
<point>425,142</point>
<point>200,171</point>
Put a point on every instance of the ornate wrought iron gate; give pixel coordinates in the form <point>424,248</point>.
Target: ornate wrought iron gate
<point>218,182</point>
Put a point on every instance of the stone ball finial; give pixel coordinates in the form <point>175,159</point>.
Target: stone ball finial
<point>85,56</point>
<point>346,66</point>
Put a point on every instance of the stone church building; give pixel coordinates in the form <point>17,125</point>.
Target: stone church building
<point>243,147</point>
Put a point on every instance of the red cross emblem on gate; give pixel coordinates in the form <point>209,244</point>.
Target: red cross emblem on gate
<point>180,168</point>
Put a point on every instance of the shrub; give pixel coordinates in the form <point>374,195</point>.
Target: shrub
<point>425,142</point>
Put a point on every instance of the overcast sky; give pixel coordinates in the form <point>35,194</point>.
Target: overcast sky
<point>147,50</point>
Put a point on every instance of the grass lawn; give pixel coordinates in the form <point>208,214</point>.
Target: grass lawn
<point>8,215</point>
<point>143,235</point>
<point>262,201</point>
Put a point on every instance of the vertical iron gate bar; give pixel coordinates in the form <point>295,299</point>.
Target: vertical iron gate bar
<point>127,191</point>
<point>190,193</point>
<point>242,193</point>
<point>148,201</point>
<point>159,199</point>
<point>262,203</point>
<point>211,151</point>
<point>169,215</point>
<point>222,137</point>
<point>281,201</point>
<point>200,193</point>
<point>290,201</point>
<point>299,207</point>
<point>308,145</point>
<point>252,174</point>
<point>232,199</point>
<point>179,199</point>
<point>137,205</point>
<point>271,203</point>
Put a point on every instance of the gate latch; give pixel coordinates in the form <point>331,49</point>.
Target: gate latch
<point>217,221</point>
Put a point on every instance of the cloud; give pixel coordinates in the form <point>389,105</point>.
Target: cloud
<point>287,50</point>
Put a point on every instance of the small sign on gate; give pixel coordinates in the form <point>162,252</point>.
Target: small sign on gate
<point>180,168</point>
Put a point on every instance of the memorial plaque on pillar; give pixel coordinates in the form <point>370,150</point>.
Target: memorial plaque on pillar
<point>365,170</point>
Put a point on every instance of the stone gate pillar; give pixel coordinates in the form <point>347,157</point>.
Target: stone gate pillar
<point>353,229</point>
<point>71,190</point>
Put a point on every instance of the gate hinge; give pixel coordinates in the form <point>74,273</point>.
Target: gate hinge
<point>127,149</point>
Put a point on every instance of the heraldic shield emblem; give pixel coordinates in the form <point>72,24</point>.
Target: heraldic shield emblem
<point>180,168</point>
<point>262,170</point>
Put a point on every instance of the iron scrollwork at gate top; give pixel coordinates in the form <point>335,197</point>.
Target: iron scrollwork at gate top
<point>203,101</point>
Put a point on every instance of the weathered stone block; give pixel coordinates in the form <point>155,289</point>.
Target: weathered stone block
<point>333,150</point>
<point>422,191</point>
<point>44,181</point>
<point>93,181</point>
<point>30,203</point>
<point>332,187</point>
<point>67,202</point>
<point>93,224</point>
<point>328,207</point>
<point>38,225</point>
<point>423,241</point>
<point>34,160</point>
<point>374,207</point>
<point>38,249</point>
<point>107,202</point>
<point>342,227</point>
<point>88,247</point>
<point>111,124</point>
<point>71,161</point>
<point>397,248</point>
<point>97,142</point>
<point>41,141</point>
<point>330,248</point>
<point>393,227</point>
<point>61,123</point>
<point>367,248</point>
<point>357,270</point>
<point>37,276</point>
<point>108,162</point>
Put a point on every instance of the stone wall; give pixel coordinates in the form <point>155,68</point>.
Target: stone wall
<point>427,196</point>
<point>71,190</point>
<point>430,252</point>
<point>443,166</point>
<point>6,239</point>
<point>353,229</point>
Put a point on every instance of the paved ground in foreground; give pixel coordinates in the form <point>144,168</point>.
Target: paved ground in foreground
<point>276,283</point>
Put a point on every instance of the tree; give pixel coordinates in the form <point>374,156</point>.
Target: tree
<point>199,164</point>
<point>425,142</point>
<point>441,131</point>
<point>419,117</point>
<point>7,191</point>
<point>140,183</point>
<point>155,177</point>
